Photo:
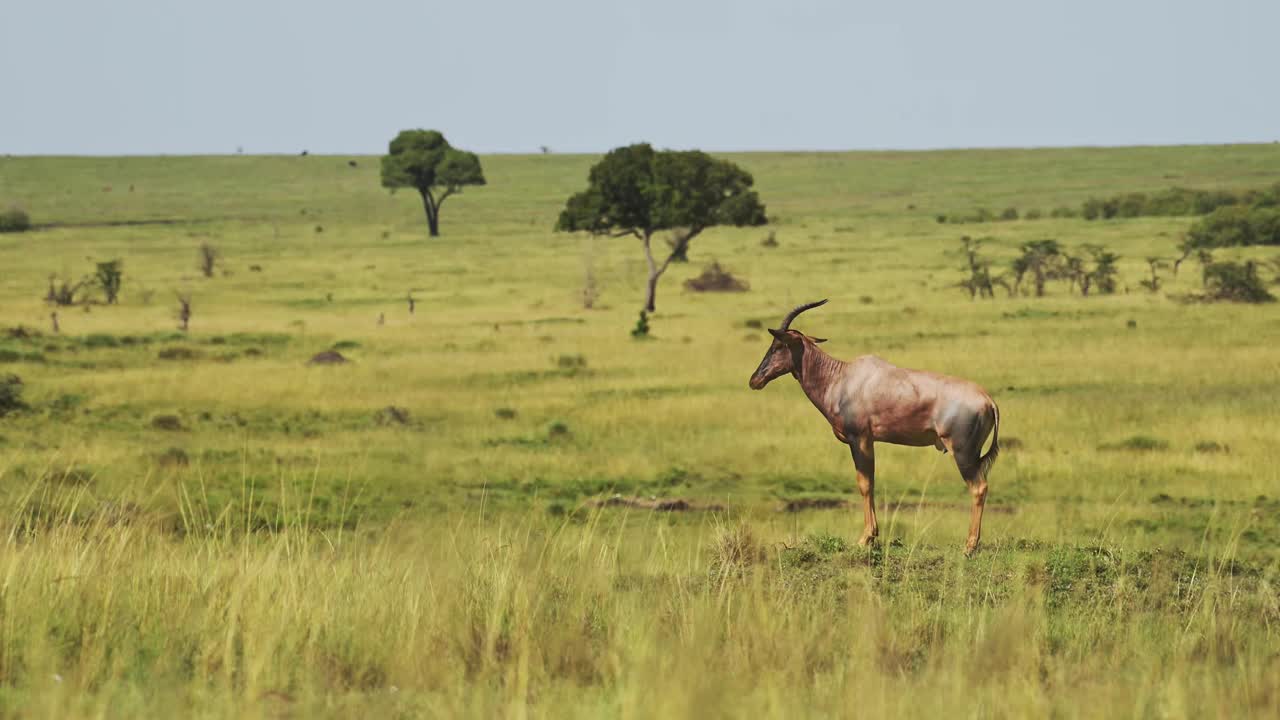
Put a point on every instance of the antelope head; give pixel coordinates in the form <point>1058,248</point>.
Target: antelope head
<point>786,351</point>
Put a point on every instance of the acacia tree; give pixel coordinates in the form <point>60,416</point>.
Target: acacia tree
<point>1043,259</point>
<point>425,161</point>
<point>638,191</point>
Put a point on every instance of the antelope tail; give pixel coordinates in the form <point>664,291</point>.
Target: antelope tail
<point>986,461</point>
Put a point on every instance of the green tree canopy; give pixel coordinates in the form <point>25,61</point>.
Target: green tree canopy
<point>638,191</point>
<point>425,161</point>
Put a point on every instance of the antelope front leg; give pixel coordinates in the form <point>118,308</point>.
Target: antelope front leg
<point>864,460</point>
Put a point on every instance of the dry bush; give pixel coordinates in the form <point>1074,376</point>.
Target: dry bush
<point>715,278</point>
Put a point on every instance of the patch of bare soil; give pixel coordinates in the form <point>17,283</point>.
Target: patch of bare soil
<point>829,503</point>
<point>658,504</point>
<point>826,503</point>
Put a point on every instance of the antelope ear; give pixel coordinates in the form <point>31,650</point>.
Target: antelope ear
<point>779,334</point>
<point>818,340</point>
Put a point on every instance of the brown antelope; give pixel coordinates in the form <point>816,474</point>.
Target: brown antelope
<point>869,399</point>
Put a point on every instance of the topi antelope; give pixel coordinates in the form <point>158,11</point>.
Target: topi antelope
<point>869,399</point>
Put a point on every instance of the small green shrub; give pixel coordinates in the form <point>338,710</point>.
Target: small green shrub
<point>641,330</point>
<point>1236,226</point>
<point>100,340</point>
<point>14,220</point>
<point>1235,282</point>
<point>11,394</point>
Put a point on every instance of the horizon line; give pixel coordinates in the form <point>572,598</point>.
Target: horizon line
<point>757,151</point>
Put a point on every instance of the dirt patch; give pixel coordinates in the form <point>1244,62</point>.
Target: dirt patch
<point>1000,509</point>
<point>800,504</point>
<point>171,423</point>
<point>658,504</point>
<point>716,279</point>
<point>328,357</point>
<point>830,503</point>
<point>178,353</point>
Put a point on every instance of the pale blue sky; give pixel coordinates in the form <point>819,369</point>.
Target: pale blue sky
<point>173,76</point>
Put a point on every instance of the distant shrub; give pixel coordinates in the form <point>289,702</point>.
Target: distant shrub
<point>1155,282</point>
<point>1032,214</point>
<point>558,429</point>
<point>981,215</point>
<point>1091,209</point>
<point>505,413</point>
<point>391,415</point>
<point>100,340</point>
<point>1137,443</point>
<point>173,457</point>
<point>109,276</point>
<point>572,362</point>
<point>1062,211</point>
<point>207,257</point>
<point>62,291</point>
<point>1235,282</point>
<point>14,220</point>
<point>770,240</point>
<point>167,422</point>
<point>1211,447</point>
<point>1236,226</point>
<point>11,394</point>
<point>715,278</point>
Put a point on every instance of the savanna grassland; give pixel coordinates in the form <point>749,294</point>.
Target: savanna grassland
<point>204,525</point>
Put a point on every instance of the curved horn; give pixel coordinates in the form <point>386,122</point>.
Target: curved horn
<point>786,321</point>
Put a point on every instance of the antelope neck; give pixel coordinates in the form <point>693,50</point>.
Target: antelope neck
<point>817,372</point>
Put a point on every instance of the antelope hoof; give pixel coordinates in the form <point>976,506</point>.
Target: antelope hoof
<point>970,548</point>
<point>867,539</point>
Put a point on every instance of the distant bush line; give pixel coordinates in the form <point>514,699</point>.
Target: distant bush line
<point>984,215</point>
<point>1177,202</point>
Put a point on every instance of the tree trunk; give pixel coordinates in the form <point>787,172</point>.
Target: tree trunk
<point>655,272</point>
<point>651,291</point>
<point>433,213</point>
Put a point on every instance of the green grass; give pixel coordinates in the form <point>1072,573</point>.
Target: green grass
<point>286,544</point>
